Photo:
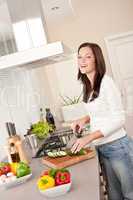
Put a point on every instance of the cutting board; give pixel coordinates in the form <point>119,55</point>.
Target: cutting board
<point>66,161</point>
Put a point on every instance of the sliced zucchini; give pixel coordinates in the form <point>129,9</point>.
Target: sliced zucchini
<point>51,154</point>
<point>63,153</point>
<point>56,154</point>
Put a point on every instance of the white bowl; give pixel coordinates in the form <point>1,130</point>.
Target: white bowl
<point>17,181</point>
<point>57,190</point>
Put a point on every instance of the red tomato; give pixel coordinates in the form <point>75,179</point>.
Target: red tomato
<point>6,169</point>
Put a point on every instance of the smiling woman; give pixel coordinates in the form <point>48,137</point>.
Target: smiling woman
<point>105,111</point>
<point>86,60</point>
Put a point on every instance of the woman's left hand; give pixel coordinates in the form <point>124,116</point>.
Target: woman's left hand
<point>80,143</point>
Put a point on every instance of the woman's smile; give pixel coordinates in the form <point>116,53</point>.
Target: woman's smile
<point>86,60</point>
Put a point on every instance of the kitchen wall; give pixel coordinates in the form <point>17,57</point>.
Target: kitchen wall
<point>58,80</point>
<point>92,21</point>
<point>19,101</point>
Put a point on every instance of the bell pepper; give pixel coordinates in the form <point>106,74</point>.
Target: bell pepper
<point>4,168</point>
<point>14,166</point>
<point>51,172</point>
<point>62,177</point>
<point>45,182</point>
<point>23,169</point>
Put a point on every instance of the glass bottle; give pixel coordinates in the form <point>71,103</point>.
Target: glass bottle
<point>41,115</point>
<point>49,117</point>
<point>14,153</point>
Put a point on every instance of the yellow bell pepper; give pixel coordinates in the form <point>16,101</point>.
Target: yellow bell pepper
<point>45,182</point>
<point>14,166</point>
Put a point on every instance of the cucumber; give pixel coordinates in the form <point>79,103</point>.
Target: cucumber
<point>51,154</point>
<point>63,153</point>
<point>56,154</point>
<point>80,153</point>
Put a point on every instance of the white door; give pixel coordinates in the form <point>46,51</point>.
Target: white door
<point>120,52</point>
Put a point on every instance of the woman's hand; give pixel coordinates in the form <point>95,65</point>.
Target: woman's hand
<point>77,125</point>
<point>80,143</point>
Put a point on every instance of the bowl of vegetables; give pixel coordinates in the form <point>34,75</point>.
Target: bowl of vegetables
<point>12,174</point>
<point>54,182</point>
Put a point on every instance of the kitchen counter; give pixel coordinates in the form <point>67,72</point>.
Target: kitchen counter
<point>85,183</point>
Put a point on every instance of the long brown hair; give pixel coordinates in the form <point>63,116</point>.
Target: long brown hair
<point>100,71</point>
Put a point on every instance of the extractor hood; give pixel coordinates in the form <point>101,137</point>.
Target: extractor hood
<point>45,54</point>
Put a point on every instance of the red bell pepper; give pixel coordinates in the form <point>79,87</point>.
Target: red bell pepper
<point>62,178</point>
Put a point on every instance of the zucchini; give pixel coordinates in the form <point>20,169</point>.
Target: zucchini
<point>80,153</point>
<point>56,154</point>
<point>51,154</point>
<point>63,153</point>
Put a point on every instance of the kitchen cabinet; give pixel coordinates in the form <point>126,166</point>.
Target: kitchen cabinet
<point>20,26</point>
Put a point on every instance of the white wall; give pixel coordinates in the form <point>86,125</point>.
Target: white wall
<point>19,102</point>
<point>55,80</point>
<point>92,21</point>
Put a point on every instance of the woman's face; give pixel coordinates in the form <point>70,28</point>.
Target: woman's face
<point>86,60</point>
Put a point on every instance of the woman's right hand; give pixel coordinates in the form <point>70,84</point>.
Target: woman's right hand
<point>77,126</point>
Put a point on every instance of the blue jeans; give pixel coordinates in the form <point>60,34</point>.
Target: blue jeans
<point>117,158</point>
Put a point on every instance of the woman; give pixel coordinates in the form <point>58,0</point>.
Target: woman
<point>106,117</point>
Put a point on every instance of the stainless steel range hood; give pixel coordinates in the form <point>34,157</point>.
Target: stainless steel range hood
<point>24,40</point>
<point>46,54</point>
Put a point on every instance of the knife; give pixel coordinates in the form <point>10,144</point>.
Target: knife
<point>11,128</point>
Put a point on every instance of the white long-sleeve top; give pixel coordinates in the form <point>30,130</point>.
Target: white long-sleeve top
<point>106,112</point>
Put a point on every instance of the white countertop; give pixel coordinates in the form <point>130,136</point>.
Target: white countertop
<point>85,183</point>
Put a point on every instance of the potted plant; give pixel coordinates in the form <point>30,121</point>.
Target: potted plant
<point>72,108</point>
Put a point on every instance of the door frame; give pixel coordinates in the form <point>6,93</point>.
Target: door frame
<point>111,43</point>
